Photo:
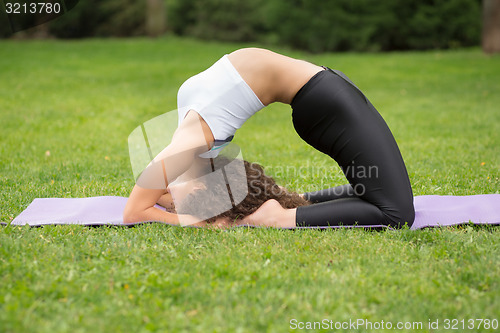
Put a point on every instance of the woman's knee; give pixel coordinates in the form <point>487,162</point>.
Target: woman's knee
<point>402,214</point>
<point>409,214</point>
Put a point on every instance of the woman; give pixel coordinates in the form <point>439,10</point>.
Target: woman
<point>329,112</point>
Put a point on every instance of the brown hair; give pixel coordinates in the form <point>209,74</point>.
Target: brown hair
<point>260,189</point>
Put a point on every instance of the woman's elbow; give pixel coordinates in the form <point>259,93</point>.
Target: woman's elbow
<point>130,216</point>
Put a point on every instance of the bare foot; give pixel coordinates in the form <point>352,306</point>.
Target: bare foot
<point>271,214</point>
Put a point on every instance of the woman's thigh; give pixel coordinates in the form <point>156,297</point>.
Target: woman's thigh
<point>337,119</point>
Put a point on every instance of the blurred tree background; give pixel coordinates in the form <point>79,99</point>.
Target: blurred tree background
<point>312,25</point>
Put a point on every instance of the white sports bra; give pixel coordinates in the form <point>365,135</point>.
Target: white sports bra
<point>221,97</point>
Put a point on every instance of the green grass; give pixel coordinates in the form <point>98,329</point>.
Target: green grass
<point>79,100</point>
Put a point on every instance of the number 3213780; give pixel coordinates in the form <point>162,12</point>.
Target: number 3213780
<point>32,8</point>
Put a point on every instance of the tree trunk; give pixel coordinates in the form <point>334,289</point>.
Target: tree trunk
<point>155,18</point>
<point>491,26</point>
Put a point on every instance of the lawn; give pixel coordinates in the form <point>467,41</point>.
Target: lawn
<point>66,110</point>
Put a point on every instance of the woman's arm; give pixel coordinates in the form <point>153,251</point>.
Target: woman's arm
<point>191,138</point>
<point>140,207</point>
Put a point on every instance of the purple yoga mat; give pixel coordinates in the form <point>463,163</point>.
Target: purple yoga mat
<point>431,211</point>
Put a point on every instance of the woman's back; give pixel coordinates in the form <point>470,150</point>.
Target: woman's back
<point>272,76</point>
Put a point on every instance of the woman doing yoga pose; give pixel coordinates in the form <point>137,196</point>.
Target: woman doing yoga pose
<point>329,113</point>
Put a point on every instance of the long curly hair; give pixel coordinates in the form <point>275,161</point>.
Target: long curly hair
<point>247,196</point>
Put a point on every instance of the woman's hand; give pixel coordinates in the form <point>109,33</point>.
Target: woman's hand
<point>167,202</point>
<point>223,223</point>
<point>220,223</point>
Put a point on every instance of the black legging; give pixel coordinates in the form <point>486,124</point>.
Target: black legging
<point>331,114</point>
